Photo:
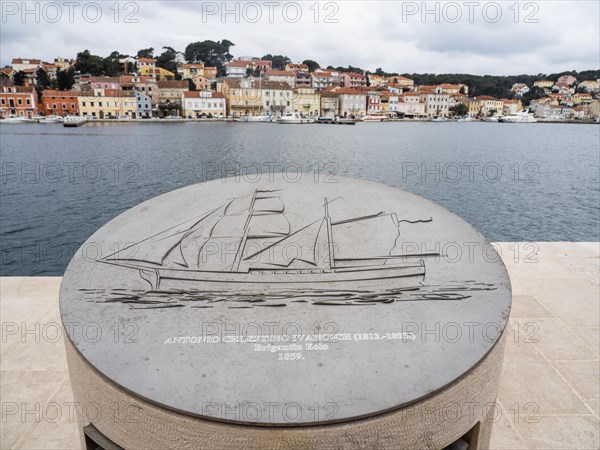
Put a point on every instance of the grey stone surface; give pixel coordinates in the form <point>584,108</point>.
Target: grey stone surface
<point>378,297</point>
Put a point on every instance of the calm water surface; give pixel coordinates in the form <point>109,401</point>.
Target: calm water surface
<point>515,182</point>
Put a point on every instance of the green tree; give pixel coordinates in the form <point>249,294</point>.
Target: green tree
<point>19,78</point>
<point>460,109</point>
<point>211,53</point>
<point>312,65</point>
<point>146,53</point>
<point>166,59</point>
<point>111,64</point>
<point>278,61</point>
<point>65,79</point>
<point>534,93</point>
<point>88,63</point>
<point>43,80</point>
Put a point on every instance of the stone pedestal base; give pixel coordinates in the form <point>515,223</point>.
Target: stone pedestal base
<point>464,409</point>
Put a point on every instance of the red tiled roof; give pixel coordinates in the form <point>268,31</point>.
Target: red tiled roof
<point>148,60</point>
<point>351,91</point>
<point>280,73</point>
<point>29,61</point>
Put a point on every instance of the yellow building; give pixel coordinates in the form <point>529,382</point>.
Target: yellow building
<point>157,72</point>
<point>590,85</point>
<point>306,101</point>
<point>582,97</point>
<point>242,96</point>
<point>490,106</point>
<point>192,70</point>
<point>544,84</point>
<point>107,103</point>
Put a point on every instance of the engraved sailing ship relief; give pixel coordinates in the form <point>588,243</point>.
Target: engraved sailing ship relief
<point>246,250</point>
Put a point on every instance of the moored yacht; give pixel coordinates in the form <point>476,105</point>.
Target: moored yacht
<point>294,118</point>
<point>519,117</point>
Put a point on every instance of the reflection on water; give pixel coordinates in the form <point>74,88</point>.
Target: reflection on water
<point>159,299</point>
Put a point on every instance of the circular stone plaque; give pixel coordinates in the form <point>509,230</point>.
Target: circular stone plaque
<point>285,301</point>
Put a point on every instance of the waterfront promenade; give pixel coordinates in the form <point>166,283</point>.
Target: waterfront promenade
<point>549,395</point>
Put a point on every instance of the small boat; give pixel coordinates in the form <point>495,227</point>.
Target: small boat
<point>294,118</point>
<point>51,119</point>
<point>491,119</point>
<point>336,121</point>
<point>375,118</point>
<point>439,119</point>
<point>466,119</point>
<point>260,118</point>
<point>520,117</point>
<point>12,119</point>
<point>74,121</point>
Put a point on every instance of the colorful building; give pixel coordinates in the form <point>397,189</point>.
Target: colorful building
<point>353,80</point>
<point>285,76</point>
<point>243,97</point>
<point>190,71</point>
<point>322,80</point>
<point>201,83</point>
<point>17,101</point>
<point>437,104</point>
<point>410,105</point>
<point>329,104</point>
<point>197,104</point>
<point>60,103</point>
<point>352,102</point>
<point>157,73</point>
<point>306,101</point>
<point>490,106</point>
<point>276,97</point>
<point>108,103</point>
<point>171,91</point>
<point>143,105</point>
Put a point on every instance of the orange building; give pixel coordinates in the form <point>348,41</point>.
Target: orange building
<point>60,103</point>
<point>17,101</point>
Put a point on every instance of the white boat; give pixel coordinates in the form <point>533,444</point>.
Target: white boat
<point>293,118</point>
<point>439,119</point>
<point>466,119</point>
<point>520,117</point>
<point>74,121</point>
<point>51,119</point>
<point>261,118</point>
<point>375,118</point>
<point>491,119</point>
<point>14,119</point>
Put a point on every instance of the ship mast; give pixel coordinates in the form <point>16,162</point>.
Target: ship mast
<point>238,256</point>
<point>329,235</point>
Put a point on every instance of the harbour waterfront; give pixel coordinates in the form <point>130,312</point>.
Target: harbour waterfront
<point>525,182</point>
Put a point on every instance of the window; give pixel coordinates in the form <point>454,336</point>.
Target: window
<point>53,105</point>
<point>20,101</point>
<point>64,106</point>
<point>28,101</point>
<point>72,105</point>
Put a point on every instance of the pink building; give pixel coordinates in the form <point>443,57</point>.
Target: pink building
<point>353,80</point>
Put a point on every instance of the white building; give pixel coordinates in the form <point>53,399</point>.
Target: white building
<point>276,97</point>
<point>198,104</point>
<point>436,103</point>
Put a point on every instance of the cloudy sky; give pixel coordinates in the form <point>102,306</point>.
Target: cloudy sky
<point>482,37</point>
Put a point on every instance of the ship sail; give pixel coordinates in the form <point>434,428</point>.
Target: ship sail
<point>364,238</point>
<point>166,245</point>
<point>307,245</point>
